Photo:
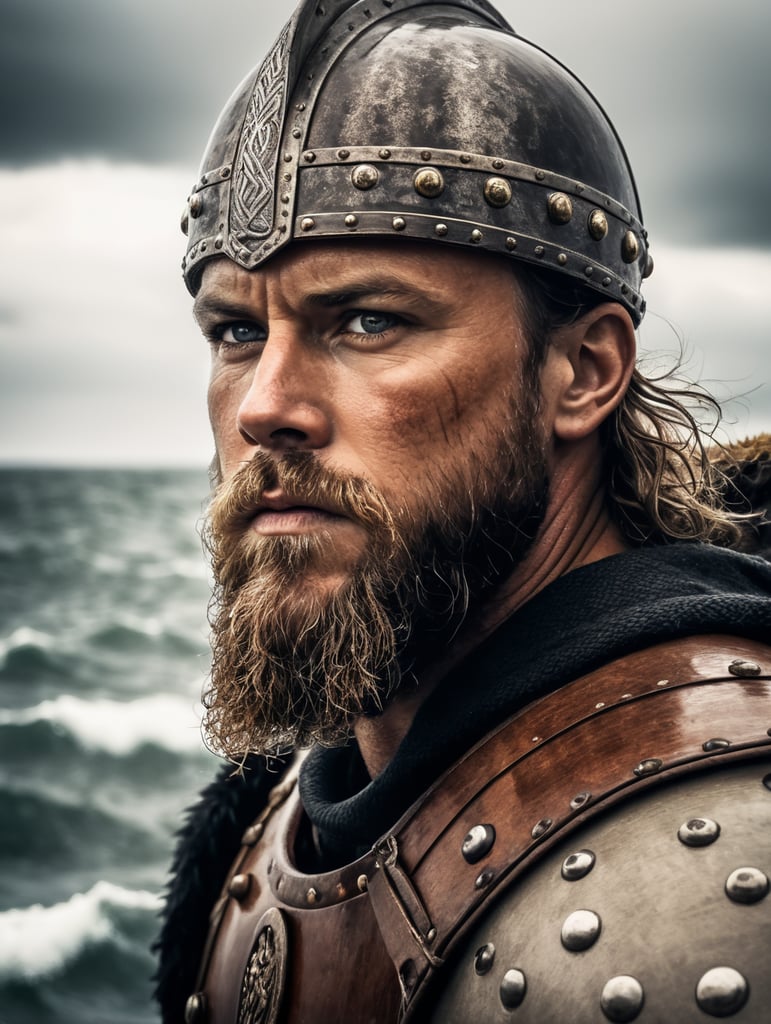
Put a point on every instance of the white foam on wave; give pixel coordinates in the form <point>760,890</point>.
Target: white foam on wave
<point>118,727</point>
<point>38,940</point>
<point>24,636</point>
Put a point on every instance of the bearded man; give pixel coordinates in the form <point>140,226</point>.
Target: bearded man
<point>466,555</point>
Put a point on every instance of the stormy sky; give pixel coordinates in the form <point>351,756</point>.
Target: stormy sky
<point>106,107</point>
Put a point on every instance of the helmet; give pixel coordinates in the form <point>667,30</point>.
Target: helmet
<point>413,119</point>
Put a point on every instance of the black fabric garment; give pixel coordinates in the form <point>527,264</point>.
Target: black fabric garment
<point>585,619</point>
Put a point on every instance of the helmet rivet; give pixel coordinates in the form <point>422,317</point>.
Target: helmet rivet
<point>204,178</point>
<point>428,182</point>
<point>476,235</point>
<point>588,271</point>
<point>465,158</point>
<point>622,998</point>
<point>698,832</point>
<point>296,133</point>
<point>195,1009</point>
<point>343,154</point>
<point>598,225</point>
<point>287,158</point>
<point>648,266</point>
<point>630,247</point>
<point>399,223</point>
<point>225,172</point>
<point>562,259</point>
<point>384,154</point>
<point>184,222</point>
<point>511,243</point>
<point>497,164</point>
<point>497,192</point>
<point>425,154</point>
<point>580,930</point>
<point>364,176</point>
<point>309,157</point>
<point>196,205</point>
<point>540,175</point>
<point>307,224</point>
<point>577,865</point>
<point>484,958</point>
<point>539,251</point>
<point>512,989</point>
<point>441,230</point>
<point>606,281</point>
<point>560,208</point>
<point>351,220</point>
<point>203,246</point>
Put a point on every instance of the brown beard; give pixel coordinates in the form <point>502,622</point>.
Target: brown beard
<point>293,664</point>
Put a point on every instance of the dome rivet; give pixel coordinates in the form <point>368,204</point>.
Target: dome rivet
<point>239,886</point>
<point>598,225</point>
<point>362,883</point>
<point>497,192</point>
<point>195,1009</point>
<point>716,743</point>
<point>560,208</point>
<point>364,176</point>
<point>425,154</point>
<point>622,998</point>
<point>476,235</point>
<point>648,267</point>
<point>747,885</point>
<point>343,154</point>
<point>698,832</point>
<point>398,223</point>
<point>309,157</point>
<point>484,958</point>
<point>541,828</point>
<point>441,230</point>
<point>196,205</point>
<point>312,896</point>
<point>562,259</point>
<point>513,989</point>
<point>744,669</point>
<point>649,766</point>
<point>384,154</point>
<point>296,133</point>
<point>630,247</point>
<point>577,865</point>
<point>580,930</point>
<point>511,243</point>
<point>307,224</point>
<point>351,220</point>
<point>428,182</point>
<point>478,842</point>
<point>722,991</point>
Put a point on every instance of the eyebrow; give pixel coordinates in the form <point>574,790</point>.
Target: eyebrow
<point>384,289</point>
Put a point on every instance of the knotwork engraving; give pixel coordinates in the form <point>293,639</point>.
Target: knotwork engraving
<point>253,185</point>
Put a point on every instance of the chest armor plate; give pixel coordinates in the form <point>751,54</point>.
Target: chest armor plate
<point>437,922</point>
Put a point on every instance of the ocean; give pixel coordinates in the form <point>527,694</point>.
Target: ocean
<point>103,654</point>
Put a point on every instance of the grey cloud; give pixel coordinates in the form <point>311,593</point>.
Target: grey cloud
<point>688,86</point>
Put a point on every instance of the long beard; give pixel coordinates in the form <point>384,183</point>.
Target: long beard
<point>295,663</point>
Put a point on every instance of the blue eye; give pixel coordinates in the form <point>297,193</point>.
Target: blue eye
<point>371,323</point>
<point>242,333</point>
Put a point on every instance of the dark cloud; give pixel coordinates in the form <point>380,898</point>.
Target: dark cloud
<point>688,86</point>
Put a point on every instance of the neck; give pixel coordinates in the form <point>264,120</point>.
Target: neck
<point>576,530</point>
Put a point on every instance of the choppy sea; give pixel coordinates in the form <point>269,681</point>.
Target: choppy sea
<point>103,653</point>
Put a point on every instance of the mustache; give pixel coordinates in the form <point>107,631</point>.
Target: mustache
<point>300,475</point>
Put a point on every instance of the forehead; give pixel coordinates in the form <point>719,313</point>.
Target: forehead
<point>316,267</point>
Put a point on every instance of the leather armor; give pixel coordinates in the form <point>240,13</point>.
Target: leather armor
<point>604,855</point>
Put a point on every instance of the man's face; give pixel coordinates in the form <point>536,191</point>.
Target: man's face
<point>381,467</point>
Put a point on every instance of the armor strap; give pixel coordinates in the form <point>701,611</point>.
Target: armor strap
<point>640,720</point>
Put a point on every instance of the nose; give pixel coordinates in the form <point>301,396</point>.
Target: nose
<point>285,406</point>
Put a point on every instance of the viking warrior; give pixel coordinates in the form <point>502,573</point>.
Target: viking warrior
<point>491,675</point>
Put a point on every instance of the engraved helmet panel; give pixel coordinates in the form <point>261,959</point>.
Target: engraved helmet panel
<point>400,118</point>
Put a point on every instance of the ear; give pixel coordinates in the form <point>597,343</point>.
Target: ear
<point>592,362</point>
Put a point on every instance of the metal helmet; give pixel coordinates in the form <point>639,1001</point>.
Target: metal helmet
<point>414,119</point>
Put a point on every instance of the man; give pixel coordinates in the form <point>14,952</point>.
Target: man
<point>467,554</point>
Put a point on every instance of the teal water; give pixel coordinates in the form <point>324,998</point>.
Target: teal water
<point>103,653</point>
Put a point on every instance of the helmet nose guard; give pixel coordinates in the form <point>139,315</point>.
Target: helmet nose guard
<point>431,121</point>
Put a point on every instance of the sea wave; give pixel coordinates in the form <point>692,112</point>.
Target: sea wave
<point>119,727</point>
<point>37,941</point>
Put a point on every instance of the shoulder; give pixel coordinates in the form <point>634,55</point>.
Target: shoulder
<point>655,910</point>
